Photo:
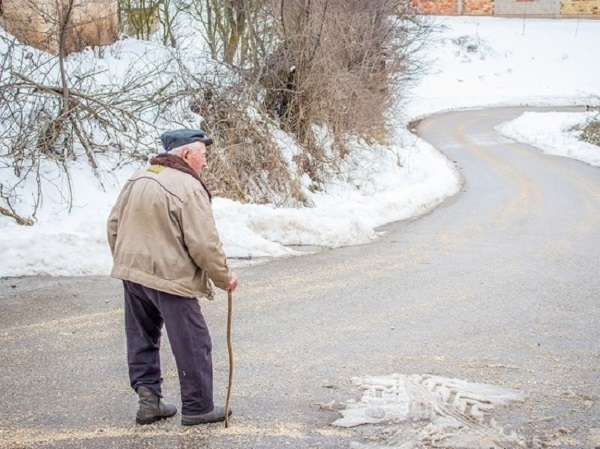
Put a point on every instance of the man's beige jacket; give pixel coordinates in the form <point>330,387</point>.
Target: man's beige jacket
<point>162,234</point>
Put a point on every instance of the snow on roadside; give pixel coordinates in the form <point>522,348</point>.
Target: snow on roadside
<point>552,133</point>
<point>475,61</point>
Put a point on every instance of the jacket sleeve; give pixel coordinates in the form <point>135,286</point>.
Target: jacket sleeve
<point>201,238</point>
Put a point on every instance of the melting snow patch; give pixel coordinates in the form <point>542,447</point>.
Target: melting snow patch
<point>454,413</point>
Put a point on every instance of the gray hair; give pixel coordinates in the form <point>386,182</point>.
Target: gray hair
<point>193,147</point>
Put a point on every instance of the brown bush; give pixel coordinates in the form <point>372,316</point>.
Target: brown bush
<point>245,164</point>
<point>339,64</point>
<point>336,64</point>
<point>591,131</point>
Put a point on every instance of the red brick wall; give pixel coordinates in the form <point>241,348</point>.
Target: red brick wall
<point>478,7</point>
<point>508,7</point>
<point>436,7</point>
<point>580,7</point>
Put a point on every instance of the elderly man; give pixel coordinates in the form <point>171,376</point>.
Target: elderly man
<point>166,249</point>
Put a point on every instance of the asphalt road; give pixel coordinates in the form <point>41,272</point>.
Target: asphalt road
<point>498,285</point>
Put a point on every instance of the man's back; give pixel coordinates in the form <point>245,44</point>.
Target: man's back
<point>162,233</point>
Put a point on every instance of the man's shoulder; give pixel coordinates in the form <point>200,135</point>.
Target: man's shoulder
<point>171,179</point>
<point>161,174</point>
<point>156,169</point>
<point>152,171</point>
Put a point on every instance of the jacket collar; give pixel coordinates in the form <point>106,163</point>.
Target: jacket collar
<point>175,162</point>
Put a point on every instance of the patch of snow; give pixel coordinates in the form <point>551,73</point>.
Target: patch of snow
<point>473,62</point>
<point>451,412</point>
<point>552,132</point>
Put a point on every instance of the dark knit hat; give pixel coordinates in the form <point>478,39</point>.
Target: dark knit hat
<point>180,137</point>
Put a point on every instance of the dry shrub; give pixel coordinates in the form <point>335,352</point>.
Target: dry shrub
<point>591,131</point>
<point>245,164</point>
<point>339,65</point>
<point>332,65</point>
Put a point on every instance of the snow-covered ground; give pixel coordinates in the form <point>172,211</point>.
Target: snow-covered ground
<point>474,62</point>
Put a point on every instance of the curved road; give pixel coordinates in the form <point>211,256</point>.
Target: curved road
<point>498,285</point>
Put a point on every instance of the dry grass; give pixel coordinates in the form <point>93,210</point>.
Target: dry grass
<point>591,131</point>
<point>245,165</point>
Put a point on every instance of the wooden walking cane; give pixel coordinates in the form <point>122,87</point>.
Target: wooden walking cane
<point>230,350</point>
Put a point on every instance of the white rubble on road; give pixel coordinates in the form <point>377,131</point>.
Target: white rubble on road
<point>449,413</point>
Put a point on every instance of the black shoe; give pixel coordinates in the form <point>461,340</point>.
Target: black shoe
<point>152,408</point>
<point>217,415</point>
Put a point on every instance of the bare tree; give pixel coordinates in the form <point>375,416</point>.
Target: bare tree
<point>52,112</point>
<point>236,31</point>
<point>139,18</point>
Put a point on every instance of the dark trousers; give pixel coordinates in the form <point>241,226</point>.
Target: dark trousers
<point>146,310</point>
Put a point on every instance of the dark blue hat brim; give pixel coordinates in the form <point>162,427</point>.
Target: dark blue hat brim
<point>181,137</point>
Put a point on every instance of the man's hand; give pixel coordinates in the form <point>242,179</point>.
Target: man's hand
<point>233,283</point>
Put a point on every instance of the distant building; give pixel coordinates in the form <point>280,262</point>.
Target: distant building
<point>38,23</point>
<point>540,8</point>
